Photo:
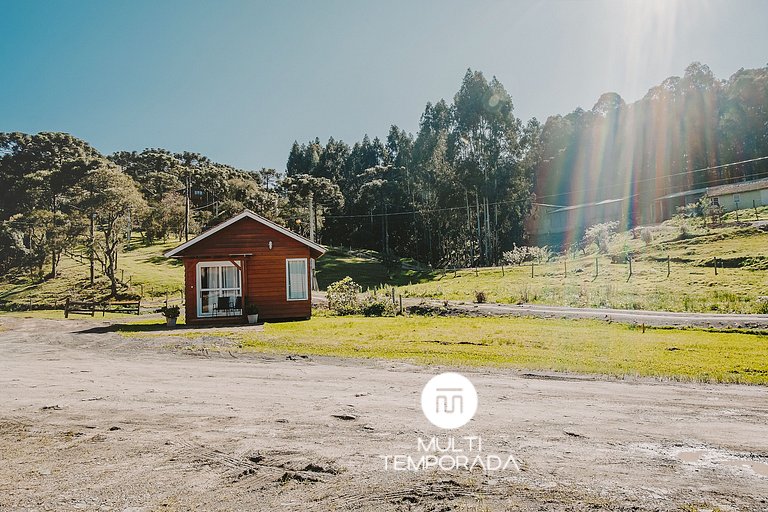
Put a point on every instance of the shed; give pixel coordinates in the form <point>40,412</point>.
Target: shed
<point>745,194</point>
<point>247,260</point>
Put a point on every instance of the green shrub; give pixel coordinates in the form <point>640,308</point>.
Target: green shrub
<point>170,311</point>
<point>376,305</point>
<point>480,297</point>
<point>343,297</point>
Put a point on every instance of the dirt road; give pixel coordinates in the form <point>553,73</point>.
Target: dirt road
<point>96,421</point>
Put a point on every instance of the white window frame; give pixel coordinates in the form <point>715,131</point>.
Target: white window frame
<point>288,279</point>
<point>199,289</point>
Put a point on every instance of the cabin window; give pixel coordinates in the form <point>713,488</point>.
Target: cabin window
<point>219,289</point>
<point>296,278</point>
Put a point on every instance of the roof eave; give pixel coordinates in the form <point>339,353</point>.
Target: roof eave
<point>174,253</point>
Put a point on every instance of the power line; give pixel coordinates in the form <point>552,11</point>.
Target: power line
<point>522,201</point>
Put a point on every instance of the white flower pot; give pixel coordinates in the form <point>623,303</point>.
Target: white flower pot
<point>252,319</point>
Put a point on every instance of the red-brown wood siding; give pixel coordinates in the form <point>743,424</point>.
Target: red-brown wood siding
<point>264,275</point>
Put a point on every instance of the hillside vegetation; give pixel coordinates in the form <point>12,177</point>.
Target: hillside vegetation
<point>576,279</point>
<point>603,280</point>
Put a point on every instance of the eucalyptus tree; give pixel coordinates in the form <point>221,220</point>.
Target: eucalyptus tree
<point>485,149</point>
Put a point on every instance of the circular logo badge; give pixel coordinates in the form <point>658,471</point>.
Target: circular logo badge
<point>449,400</point>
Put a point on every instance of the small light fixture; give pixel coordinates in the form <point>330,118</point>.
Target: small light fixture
<point>270,245</point>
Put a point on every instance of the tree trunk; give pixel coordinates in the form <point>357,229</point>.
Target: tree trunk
<point>53,235</point>
<point>479,233</point>
<point>111,273</point>
<point>91,250</point>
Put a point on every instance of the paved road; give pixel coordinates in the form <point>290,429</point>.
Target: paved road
<point>651,318</point>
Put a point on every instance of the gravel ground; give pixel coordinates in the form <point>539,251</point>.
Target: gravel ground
<point>90,420</point>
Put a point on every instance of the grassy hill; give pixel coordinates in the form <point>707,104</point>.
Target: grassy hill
<point>148,273</point>
<point>152,276</point>
<point>596,280</point>
<point>603,280</point>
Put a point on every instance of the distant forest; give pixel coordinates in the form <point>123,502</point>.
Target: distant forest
<point>456,193</point>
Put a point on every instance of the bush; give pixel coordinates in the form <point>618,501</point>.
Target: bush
<point>600,235</point>
<point>516,256</point>
<point>376,305</point>
<point>646,236</point>
<point>762,305</point>
<point>540,254</point>
<point>170,311</point>
<point>342,297</point>
<point>480,297</point>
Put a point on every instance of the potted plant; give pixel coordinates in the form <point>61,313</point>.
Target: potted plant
<point>253,313</point>
<point>171,313</point>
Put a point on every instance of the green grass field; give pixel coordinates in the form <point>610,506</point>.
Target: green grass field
<point>573,280</point>
<point>523,343</point>
<point>143,266</point>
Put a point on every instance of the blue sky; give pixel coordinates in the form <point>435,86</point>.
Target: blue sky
<point>240,81</point>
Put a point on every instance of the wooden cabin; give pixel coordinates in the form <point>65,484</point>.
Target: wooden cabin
<point>247,259</point>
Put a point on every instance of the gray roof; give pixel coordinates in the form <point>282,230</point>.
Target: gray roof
<point>736,188</point>
<point>599,203</point>
<point>683,193</point>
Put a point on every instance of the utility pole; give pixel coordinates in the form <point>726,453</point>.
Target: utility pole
<point>186,208</point>
<point>311,217</point>
<point>469,230</point>
<point>386,227</point>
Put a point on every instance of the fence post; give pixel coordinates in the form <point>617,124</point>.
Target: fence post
<point>401,304</point>
<point>597,266</point>
<point>66,308</point>
<point>565,265</point>
<point>668,266</point>
<point>393,295</point>
<point>502,270</point>
<point>531,269</point>
<point>629,259</point>
<point>715,265</point>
